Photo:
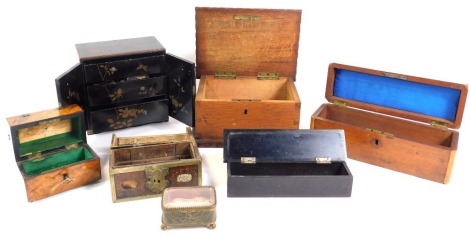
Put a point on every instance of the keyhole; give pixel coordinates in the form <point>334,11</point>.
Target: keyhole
<point>376,142</point>
<point>65,176</point>
<point>246,112</point>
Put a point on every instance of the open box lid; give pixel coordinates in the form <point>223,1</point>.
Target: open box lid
<point>434,102</point>
<point>247,41</point>
<point>39,132</point>
<point>118,48</point>
<point>134,141</point>
<point>284,146</point>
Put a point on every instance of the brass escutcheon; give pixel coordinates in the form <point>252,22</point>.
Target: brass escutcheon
<point>156,181</point>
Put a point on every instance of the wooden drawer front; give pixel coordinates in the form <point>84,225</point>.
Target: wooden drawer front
<point>128,90</point>
<point>123,69</point>
<point>129,116</point>
<point>142,184</point>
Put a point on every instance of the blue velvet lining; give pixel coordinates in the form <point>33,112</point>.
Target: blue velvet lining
<point>400,94</point>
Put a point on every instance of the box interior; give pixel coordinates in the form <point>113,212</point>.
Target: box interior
<point>49,134</point>
<point>247,88</point>
<point>389,125</point>
<point>56,160</point>
<point>287,169</point>
<point>150,154</point>
<point>396,93</point>
<point>187,197</point>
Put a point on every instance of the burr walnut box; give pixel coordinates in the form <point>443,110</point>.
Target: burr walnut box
<point>286,163</point>
<point>246,61</point>
<point>143,166</point>
<point>189,206</point>
<point>395,121</point>
<point>51,151</point>
<point>128,82</point>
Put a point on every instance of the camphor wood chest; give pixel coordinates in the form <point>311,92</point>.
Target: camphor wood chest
<point>246,61</point>
<point>142,167</point>
<point>128,82</point>
<point>51,151</point>
<point>407,130</point>
<point>189,206</point>
<point>286,163</point>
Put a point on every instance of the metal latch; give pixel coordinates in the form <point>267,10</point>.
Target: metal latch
<point>225,75</point>
<point>439,124</point>
<point>71,146</point>
<point>268,76</point>
<point>48,122</point>
<point>248,160</point>
<point>340,103</point>
<point>323,160</point>
<point>395,76</point>
<point>35,157</point>
<point>379,132</point>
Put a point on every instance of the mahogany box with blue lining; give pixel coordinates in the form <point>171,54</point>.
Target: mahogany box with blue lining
<point>403,123</point>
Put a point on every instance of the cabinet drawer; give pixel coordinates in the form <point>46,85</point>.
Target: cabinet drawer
<point>129,115</point>
<point>123,69</point>
<point>126,90</point>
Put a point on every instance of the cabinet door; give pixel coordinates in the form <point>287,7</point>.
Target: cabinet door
<point>71,90</point>
<point>181,88</point>
<point>69,87</point>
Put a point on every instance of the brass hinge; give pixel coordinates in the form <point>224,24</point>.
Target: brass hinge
<point>380,132</point>
<point>268,76</point>
<point>225,75</point>
<point>439,124</point>
<point>71,146</point>
<point>248,160</point>
<point>35,157</point>
<point>340,103</point>
<point>323,160</point>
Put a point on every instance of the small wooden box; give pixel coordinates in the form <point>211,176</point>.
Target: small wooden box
<point>286,163</point>
<point>142,167</point>
<point>128,82</point>
<point>189,206</point>
<point>246,61</point>
<point>51,151</point>
<point>407,130</point>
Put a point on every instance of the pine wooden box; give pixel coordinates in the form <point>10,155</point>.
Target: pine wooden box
<point>394,121</point>
<point>143,166</point>
<point>246,61</point>
<point>51,151</point>
<point>286,163</point>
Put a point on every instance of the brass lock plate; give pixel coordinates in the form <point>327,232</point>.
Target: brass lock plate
<point>156,179</point>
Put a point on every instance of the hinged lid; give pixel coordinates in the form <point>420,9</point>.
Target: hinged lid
<point>404,96</point>
<point>247,41</point>
<point>39,132</point>
<point>118,48</point>
<point>138,141</point>
<point>284,146</point>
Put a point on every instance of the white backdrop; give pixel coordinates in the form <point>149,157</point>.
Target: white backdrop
<point>427,39</point>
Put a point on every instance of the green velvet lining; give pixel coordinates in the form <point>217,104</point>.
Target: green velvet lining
<point>56,160</point>
<point>52,142</point>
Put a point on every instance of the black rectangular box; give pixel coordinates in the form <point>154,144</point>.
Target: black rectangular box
<point>286,163</point>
